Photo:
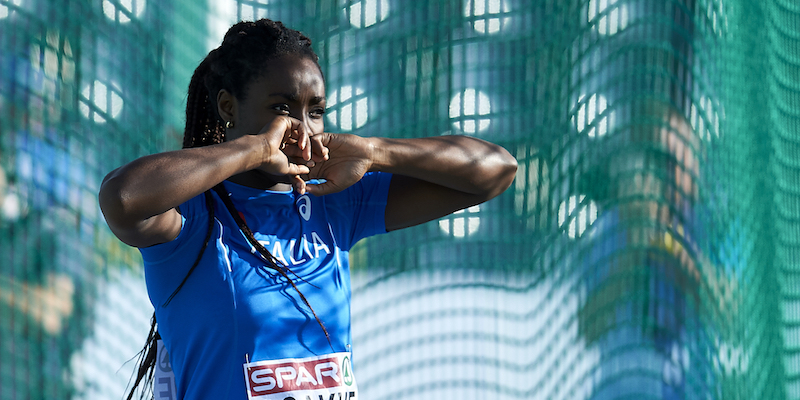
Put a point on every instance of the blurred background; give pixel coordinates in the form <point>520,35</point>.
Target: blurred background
<point>649,247</point>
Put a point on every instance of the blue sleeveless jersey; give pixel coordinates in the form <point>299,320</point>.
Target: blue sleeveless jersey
<point>232,309</point>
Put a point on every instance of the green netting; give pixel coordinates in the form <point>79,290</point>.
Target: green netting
<point>649,247</point>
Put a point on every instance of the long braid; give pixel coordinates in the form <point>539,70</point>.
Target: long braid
<point>245,51</point>
<point>203,127</point>
<point>146,359</point>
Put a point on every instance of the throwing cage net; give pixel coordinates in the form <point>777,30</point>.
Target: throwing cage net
<point>649,247</point>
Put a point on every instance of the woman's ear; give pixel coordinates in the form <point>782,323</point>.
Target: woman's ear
<point>226,106</point>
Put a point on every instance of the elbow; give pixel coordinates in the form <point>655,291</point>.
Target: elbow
<point>112,199</point>
<point>507,172</point>
<point>497,173</point>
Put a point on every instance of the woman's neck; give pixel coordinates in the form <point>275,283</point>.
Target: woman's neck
<point>259,180</point>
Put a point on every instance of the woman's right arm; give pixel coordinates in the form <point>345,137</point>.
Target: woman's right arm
<point>139,199</point>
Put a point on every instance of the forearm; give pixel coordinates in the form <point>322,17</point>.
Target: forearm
<point>154,184</point>
<point>461,163</point>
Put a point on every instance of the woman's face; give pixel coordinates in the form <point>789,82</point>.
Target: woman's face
<point>290,86</point>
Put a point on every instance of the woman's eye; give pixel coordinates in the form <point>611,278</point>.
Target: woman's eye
<point>317,113</point>
<point>284,108</point>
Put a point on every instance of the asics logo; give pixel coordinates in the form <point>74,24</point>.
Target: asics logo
<point>304,207</point>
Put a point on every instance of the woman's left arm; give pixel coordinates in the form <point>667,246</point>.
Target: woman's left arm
<point>432,176</point>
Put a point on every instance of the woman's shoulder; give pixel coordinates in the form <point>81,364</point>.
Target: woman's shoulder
<point>196,206</point>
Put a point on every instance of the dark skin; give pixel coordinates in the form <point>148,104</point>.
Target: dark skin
<point>277,141</point>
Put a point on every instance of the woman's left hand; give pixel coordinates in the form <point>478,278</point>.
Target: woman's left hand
<point>349,158</point>
<point>432,177</point>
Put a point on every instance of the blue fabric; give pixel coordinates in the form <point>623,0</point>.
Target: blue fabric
<point>232,308</point>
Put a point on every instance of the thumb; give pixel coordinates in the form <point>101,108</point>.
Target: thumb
<point>323,188</point>
<point>295,169</point>
<point>298,184</point>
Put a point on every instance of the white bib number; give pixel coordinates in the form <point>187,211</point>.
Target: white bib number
<point>321,377</point>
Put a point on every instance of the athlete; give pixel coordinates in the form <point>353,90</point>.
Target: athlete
<point>245,232</point>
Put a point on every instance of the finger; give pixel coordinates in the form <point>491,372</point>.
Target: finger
<point>319,150</point>
<point>303,141</point>
<point>298,184</point>
<point>294,152</point>
<point>300,161</point>
<point>297,169</point>
<point>295,155</point>
<point>290,125</point>
<point>321,189</point>
<point>282,125</point>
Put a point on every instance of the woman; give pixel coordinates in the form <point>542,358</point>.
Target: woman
<point>244,232</point>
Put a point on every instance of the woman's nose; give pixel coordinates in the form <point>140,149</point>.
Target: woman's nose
<point>305,122</point>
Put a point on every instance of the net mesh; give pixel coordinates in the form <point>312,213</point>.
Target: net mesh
<point>648,248</point>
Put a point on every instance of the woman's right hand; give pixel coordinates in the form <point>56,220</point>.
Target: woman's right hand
<point>281,139</point>
<point>289,151</point>
<point>138,199</point>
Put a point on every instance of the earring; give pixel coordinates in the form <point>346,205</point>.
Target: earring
<point>228,124</point>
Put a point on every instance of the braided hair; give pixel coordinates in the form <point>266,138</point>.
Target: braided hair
<point>246,50</point>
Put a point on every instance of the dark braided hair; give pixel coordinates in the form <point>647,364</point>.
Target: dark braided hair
<point>246,50</point>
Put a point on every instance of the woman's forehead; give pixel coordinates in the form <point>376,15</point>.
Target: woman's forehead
<point>290,75</point>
